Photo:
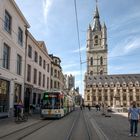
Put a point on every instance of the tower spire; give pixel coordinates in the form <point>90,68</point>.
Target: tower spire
<point>96,25</point>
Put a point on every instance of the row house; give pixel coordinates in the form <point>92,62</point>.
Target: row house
<point>25,65</point>
<point>37,76</point>
<point>12,54</point>
<point>57,77</point>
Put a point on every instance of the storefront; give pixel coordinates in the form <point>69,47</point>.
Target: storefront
<point>4,96</point>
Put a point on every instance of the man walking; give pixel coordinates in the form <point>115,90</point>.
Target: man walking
<point>134,118</point>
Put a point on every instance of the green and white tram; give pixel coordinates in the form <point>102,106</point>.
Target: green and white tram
<point>56,104</point>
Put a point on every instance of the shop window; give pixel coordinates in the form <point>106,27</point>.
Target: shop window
<point>17,96</point>
<point>4,95</point>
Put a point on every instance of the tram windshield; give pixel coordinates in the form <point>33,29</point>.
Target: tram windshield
<point>52,101</point>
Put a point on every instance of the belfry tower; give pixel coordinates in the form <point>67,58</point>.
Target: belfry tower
<point>96,47</point>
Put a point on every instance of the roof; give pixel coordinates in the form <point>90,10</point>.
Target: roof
<point>122,78</point>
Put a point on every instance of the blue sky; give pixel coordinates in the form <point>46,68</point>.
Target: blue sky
<point>53,21</point>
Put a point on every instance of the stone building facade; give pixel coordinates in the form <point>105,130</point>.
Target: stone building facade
<point>101,88</point>
<point>57,76</point>
<point>12,55</point>
<point>25,65</point>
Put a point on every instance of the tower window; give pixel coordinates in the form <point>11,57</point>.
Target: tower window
<point>88,97</point>
<point>91,61</point>
<point>91,73</point>
<point>96,40</point>
<point>101,60</point>
<point>101,72</point>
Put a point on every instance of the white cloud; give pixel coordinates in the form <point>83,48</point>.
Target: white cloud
<point>81,49</point>
<point>46,8</point>
<point>129,45</point>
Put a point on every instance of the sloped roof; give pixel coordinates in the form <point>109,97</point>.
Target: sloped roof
<point>112,78</point>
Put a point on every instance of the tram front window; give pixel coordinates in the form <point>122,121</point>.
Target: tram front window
<point>51,102</point>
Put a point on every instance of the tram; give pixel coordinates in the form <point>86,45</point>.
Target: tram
<point>56,104</point>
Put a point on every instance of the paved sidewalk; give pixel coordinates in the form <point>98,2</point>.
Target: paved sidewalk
<point>115,127</point>
<point>8,125</point>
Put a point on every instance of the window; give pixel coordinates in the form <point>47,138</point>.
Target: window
<point>51,83</point>
<point>36,57</point>
<point>29,51</point>
<point>6,56</point>
<point>28,73</point>
<point>88,97</point>
<point>48,83</point>
<point>19,64</point>
<point>20,36</point>
<point>44,64</point>
<point>101,60</point>
<point>35,76</point>
<point>55,73</point>
<point>101,72</point>
<point>43,80</point>
<point>39,79</point>
<point>40,60</point>
<point>51,71</point>
<point>96,40</point>
<point>48,68</point>
<point>58,74</point>
<point>91,61</point>
<point>7,22</point>
<point>91,73</point>
<point>54,84</point>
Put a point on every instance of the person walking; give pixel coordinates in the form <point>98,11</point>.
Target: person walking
<point>134,118</point>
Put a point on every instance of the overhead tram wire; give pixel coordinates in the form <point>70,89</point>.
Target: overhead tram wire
<point>78,36</point>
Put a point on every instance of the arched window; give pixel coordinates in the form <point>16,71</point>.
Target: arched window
<point>91,73</point>
<point>101,72</point>
<point>91,61</point>
<point>101,60</point>
<point>96,39</point>
<point>88,97</point>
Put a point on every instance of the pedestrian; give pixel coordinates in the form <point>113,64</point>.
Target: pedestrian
<point>89,107</point>
<point>134,118</point>
<point>81,107</point>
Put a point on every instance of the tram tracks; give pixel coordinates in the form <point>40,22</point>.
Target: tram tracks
<point>70,134</point>
<point>26,131</point>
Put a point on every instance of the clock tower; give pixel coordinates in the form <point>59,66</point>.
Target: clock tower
<point>96,48</point>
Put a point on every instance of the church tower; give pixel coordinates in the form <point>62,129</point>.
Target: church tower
<point>96,47</point>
